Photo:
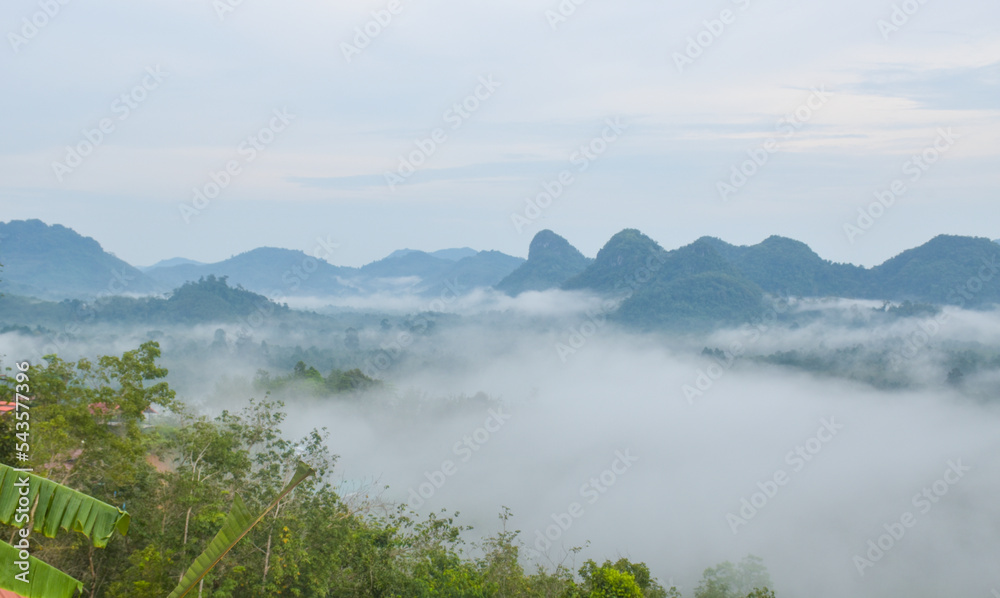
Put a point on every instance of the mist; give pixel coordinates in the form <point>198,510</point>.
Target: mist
<point>678,450</point>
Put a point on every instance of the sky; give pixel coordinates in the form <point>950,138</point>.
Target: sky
<point>205,128</point>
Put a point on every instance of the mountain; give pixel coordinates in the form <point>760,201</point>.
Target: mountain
<point>691,287</point>
<point>174,261</point>
<point>551,262</point>
<point>266,270</point>
<point>946,270</point>
<point>411,272</point>
<point>452,255</point>
<point>213,300</point>
<point>484,269</point>
<point>708,280</point>
<point>455,254</point>
<point>53,262</point>
<point>624,257</point>
<point>783,266</point>
<point>210,300</point>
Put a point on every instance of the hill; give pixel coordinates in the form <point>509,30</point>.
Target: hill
<point>691,288</point>
<point>174,261</point>
<point>209,300</point>
<point>946,270</point>
<point>266,270</point>
<point>53,262</point>
<point>551,262</point>
<point>625,256</point>
<point>783,266</point>
<point>483,270</point>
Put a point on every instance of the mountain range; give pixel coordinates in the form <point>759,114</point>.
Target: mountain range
<point>713,282</point>
<point>55,262</point>
<point>708,281</point>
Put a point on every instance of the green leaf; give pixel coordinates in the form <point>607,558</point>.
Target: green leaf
<point>44,581</point>
<point>238,523</point>
<point>59,507</point>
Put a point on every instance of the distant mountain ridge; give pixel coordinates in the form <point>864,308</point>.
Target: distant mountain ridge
<point>708,281</point>
<point>174,261</point>
<point>56,262</point>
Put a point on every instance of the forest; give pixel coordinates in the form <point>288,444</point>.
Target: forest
<point>111,428</point>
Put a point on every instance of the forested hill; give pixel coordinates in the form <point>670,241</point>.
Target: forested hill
<point>551,262</point>
<point>55,262</point>
<point>709,282</point>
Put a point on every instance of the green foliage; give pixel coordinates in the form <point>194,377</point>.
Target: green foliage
<point>727,580</point>
<point>44,581</point>
<point>609,581</point>
<point>704,300</point>
<point>180,479</point>
<point>238,524</point>
<point>306,379</point>
<point>211,299</point>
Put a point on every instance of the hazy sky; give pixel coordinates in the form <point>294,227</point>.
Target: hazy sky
<point>185,88</point>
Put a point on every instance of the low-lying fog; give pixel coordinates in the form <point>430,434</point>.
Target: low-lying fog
<point>648,449</point>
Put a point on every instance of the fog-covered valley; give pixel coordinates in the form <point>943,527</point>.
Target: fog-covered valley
<point>797,437</point>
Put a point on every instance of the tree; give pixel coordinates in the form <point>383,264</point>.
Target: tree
<point>238,524</point>
<point>734,581</point>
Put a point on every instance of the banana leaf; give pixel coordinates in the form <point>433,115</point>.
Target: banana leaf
<point>238,523</point>
<point>59,507</point>
<point>44,581</point>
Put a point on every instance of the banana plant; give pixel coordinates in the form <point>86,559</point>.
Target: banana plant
<point>238,523</point>
<point>55,507</point>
